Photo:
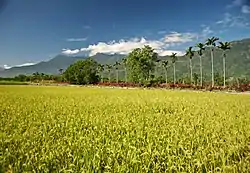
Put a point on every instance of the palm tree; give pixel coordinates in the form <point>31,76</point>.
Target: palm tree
<point>60,71</point>
<point>174,58</point>
<point>124,62</point>
<point>211,42</point>
<point>165,65</point>
<point>36,76</point>
<point>224,47</point>
<point>42,75</point>
<point>116,66</point>
<point>200,53</point>
<point>100,70</point>
<point>109,68</point>
<point>190,54</point>
<point>157,63</point>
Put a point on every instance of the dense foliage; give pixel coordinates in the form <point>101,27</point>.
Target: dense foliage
<point>35,77</point>
<point>141,64</point>
<point>82,72</point>
<point>65,129</point>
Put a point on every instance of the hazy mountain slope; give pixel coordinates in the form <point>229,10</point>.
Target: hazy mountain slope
<point>237,63</point>
<point>49,67</point>
<point>59,62</point>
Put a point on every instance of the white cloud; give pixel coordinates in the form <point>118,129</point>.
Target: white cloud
<point>243,4</point>
<point>175,37</point>
<point>124,47</point>
<point>162,32</point>
<point>220,22</point>
<point>86,27</point>
<point>245,9</point>
<point>21,65</point>
<point>25,64</point>
<point>226,19</point>
<point>206,31</point>
<point>169,52</point>
<point>233,21</point>
<point>235,3</point>
<point>76,39</point>
<point>70,52</point>
<point>6,66</point>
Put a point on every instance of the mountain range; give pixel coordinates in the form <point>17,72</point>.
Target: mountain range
<point>1,69</point>
<point>237,62</point>
<point>53,65</point>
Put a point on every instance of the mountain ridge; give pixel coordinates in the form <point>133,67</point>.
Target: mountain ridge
<point>235,65</point>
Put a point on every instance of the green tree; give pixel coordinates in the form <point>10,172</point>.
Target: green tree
<point>82,72</point>
<point>218,79</point>
<point>141,64</point>
<point>116,66</point>
<point>174,59</point>
<point>196,77</point>
<point>165,66</point>
<point>200,53</point>
<point>224,47</point>
<point>21,78</point>
<point>42,76</point>
<point>100,71</point>
<point>109,68</point>
<point>158,63</point>
<point>190,54</point>
<point>36,76</point>
<point>60,71</point>
<point>124,63</point>
<point>211,42</point>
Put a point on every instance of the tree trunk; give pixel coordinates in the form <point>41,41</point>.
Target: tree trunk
<point>155,72</point>
<point>212,63</point>
<point>201,70</point>
<point>101,77</point>
<point>166,75</point>
<point>224,69</point>
<point>174,73</point>
<point>191,71</point>
<point>117,76</point>
<point>109,77</point>
<point>126,80</point>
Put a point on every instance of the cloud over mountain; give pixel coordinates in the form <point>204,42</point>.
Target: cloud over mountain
<point>161,46</point>
<point>21,65</point>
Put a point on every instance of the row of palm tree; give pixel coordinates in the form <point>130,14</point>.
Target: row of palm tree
<point>190,53</point>
<point>210,43</point>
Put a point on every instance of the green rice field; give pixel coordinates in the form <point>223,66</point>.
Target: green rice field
<point>80,129</point>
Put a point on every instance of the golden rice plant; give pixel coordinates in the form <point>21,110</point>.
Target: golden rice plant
<point>78,129</point>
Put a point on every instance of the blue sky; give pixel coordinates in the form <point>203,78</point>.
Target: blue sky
<point>36,30</point>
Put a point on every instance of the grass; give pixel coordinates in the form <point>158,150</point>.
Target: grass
<point>70,129</point>
<point>13,83</point>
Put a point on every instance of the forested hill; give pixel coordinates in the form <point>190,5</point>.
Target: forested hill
<point>237,64</point>
<point>237,61</point>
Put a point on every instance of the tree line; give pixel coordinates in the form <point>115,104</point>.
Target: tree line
<point>35,77</point>
<point>142,66</point>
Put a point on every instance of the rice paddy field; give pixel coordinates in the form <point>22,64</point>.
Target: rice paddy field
<point>80,129</point>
